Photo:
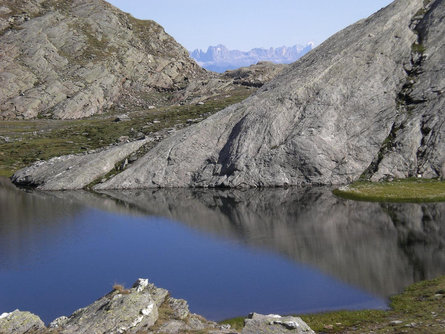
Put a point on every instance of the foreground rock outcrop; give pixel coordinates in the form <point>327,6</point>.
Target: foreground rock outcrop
<point>73,59</point>
<point>142,309</point>
<point>20,322</point>
<point>368,101</point>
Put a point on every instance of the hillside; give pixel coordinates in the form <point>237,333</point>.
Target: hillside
<point>367,102</point>
<point>73,59</point>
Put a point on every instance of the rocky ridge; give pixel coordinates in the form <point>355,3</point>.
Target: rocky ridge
<point>142,309</point>
<point>367,99</point>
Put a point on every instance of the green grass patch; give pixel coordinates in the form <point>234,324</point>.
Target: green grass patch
<point>42,139</point>
<point>419,309</point>
<point>332,322</point>
<point>402,190</point>
<point>418,48</point>
<point>235,323</point>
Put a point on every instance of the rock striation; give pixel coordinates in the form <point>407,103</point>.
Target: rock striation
<point>367,102</point>
<point>142,309</point>
<point>73,59</point>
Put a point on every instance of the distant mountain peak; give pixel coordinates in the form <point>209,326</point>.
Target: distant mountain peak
<point>219,58</point>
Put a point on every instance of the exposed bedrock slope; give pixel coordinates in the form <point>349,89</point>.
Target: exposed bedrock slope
<point>327,119</point>
<point>72,59</point>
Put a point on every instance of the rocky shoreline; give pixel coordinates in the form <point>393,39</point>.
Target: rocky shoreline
<point>143,309</point>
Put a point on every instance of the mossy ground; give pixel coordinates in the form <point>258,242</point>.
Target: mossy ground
<point>41,139</point>
<point>403,190</point>
<point>419,309</point>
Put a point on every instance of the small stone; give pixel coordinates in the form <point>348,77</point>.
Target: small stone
<point>58,322</point>
<point>147,310</point>
<point>411,325</point>
<point>140,284</point>
<point>395,322</point>
<point>122,118</point>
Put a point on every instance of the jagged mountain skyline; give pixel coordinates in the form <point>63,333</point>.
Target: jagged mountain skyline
<point>219,58</point>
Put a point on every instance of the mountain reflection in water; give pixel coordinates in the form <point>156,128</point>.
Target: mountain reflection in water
<point>378,247</point>
<point>375,247</point>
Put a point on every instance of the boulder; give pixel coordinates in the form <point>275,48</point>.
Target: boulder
<point>274,324</point>
<point>19,322</point>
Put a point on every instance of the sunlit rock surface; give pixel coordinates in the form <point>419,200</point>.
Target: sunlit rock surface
<point>73,59</point>
<point>367,101</point>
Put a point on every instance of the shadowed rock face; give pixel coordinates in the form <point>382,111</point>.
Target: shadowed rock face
<point>378,247</point>
<point>417,139</point>
<point>340,111</point>
<point>72,59</point>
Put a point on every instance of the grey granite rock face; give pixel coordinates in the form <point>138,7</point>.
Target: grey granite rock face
<point>74,171</point>
<point>417,145</point>
<point>18,322</point>
<point>325,120</point>
<point>118,312</point>
<point>73,59</point>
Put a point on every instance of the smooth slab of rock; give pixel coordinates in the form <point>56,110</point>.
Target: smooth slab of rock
<point>330,117</point>
<point>71,172</point>
<point>19,322</point>
<point>274,324</point>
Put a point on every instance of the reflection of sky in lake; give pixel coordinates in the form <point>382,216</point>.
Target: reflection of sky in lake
<point>66,265</point>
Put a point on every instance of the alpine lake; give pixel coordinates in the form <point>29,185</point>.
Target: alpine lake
<point>227,252</point>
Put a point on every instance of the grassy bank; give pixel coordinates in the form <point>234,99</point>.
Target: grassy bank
<point>404,190</point>
<point>419,309</point>
<point>24,142</point>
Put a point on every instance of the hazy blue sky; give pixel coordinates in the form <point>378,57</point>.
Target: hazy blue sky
<point>245,24</point>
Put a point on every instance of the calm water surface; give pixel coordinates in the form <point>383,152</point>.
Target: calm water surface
<point>226,252</point>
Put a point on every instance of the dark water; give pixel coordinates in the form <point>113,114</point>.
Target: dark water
<point>226,252</point>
